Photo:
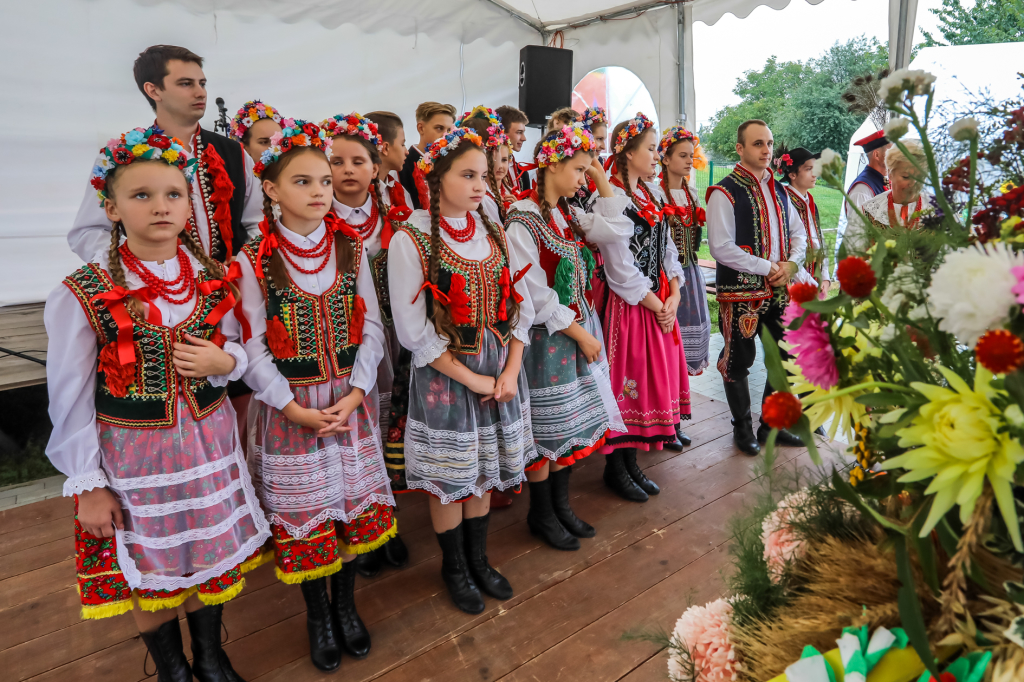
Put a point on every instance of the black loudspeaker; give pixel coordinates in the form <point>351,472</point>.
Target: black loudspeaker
<point>545,82</point>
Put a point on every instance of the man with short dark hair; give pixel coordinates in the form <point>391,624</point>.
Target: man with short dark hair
<point>227,205</point>
<point>514,120</point>
<point>758,240</point>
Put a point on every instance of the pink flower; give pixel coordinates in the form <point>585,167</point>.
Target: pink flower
<point>812,348</point>
<point>781,544</point>
<point>704,632</point>
<point>1018,288</point>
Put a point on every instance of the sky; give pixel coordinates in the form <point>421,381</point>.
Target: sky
<point>796,33</point>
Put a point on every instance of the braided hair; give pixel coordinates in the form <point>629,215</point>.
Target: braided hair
<point>563,204</point>
<point>622,161</point>
<point>480,125</point>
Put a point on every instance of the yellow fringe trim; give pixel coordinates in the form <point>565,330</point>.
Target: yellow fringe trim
<point>296,578</point>
<point>168,602</point>
<point>95,612</point>
<point>265,557</point>
<point>376,544</point>
<point>221,597</point>
<point>87,576</point>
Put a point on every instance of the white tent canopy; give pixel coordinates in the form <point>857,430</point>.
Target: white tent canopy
<point>68,85</point>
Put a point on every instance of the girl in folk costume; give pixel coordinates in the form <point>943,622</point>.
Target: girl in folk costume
<point>359,203</point>
<point>571,399</point>
<point>680,152</point>
<point>142,343</point>
<point>645,352</point>
<point>253,125</point>
<point>797,169</point>
<point>502,164</point>
<point>314,434</point>
<point>596,120</point>
<point>487,124</point>
<point>457,309</point>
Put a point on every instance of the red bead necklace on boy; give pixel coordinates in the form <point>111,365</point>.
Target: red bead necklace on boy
<point>365,229</point>
<point>184,285</point>
<point>905,214</point>
<point>463,234</point>
<point>322,249</point>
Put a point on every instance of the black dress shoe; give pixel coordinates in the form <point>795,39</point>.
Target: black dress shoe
<point>746,442</point>
<point>782,438</point>
<point>638,476</point>
<point>168,653</point>
<point>738,394</point>
<point>484,575</point>
<point>821,431</point>
<point>455,572</point>
<point>324,649</point>
<point>560,503</point>
<point>683,439</point>
<point>618,479</point>
<point>348,625</point>
<point>543,523</point>
<point>675,446</point>
<point>367,564</point>
<point>394,553</point>
<point>209,661</point>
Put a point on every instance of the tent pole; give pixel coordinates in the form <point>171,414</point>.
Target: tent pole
<point>684,65</point>
<point>544,35</point>
<point>902,19</point>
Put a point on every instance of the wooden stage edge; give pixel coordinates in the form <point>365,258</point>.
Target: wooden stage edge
<point>567,621</point>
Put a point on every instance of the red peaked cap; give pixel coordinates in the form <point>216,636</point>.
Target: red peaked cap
<point>872,141</point>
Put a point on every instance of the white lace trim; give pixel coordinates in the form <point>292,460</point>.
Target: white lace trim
<point>475,490</point>
<point>572,444</point>
<point>333,514</point>
<point>425,356</point>
<point>90,480</point>
<point>183,476</point>
<point>190,535</point>
<point>164,508</point>
<point>563,428</point>
<point>547,393</point>
<point>301,501</point>
<point>561,317</point>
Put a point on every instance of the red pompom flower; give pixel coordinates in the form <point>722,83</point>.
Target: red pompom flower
<point>311,130</point>
<point>856,277</point>
<point>158,141</point>
<point>258,168</point>
<point>123,156</point>
<point>781,410</point>
<point>118,378</point>
<point>99,184</point>
<point>802,292</point>
<point>1000,351</point>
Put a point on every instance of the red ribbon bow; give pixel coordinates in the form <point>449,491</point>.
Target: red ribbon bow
<point>267,246</point>
<point>396,214</point>
<point>233,274</point>
<point>439,295</point>
<point>508,288</point>
<point>115,302</point>
<point>336,225</point>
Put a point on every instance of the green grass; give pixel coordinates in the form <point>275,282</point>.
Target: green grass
<point>30,464</point>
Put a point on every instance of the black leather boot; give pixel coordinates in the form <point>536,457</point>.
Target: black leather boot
<point>560,502</point>
<point>618,479</point>
<point>209,661</point>
<point>675,446</point>
<point>638,476</point>
<point>324,650</point>
<point>682,437</point>
<point>455,572</point>
<point>783,437</point>
<point>168,653</point>
<point>367,564</point>
<point>543,523</point>
<point>394,553</point>
<point>738,395</point>
<point>484,575</point>
<point>348,625</point>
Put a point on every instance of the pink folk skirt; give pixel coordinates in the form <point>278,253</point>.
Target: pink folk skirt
<point>648,376</point>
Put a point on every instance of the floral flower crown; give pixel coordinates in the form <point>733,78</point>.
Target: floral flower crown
<point>636,126</point>
<point>495,131</point>
<point>140,143</point>
<point>295,133</point>
<point>678,134</point>
<point>249,113</point>
<point>594,116</point>
<point>449,143</point>
<point>355,125</point>
<point>562,144</point>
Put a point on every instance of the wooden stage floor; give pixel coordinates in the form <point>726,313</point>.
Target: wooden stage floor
<point>565,622</point>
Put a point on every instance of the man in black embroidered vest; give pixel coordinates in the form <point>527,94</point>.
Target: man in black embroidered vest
<point>758,240</point>
<point>227,205</point>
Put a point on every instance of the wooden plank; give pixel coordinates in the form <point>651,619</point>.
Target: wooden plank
<point>36,535</point>
<point>38,512</point>
<point>34,558</point>
<point>34,584</point>
<point>21,329</point>
<point>654,669</point>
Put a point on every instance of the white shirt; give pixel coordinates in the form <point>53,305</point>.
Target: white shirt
<point>90,233</point>
<point>859,195</point>
<point>802,275</point>
<point>391,180</point>
<point>72,357</point>
<point>405,277</point>
<point>620,270</point>
<point>877,209</point>
<point>722,233</point>
<point>357,216</point>
<point>270,386</point>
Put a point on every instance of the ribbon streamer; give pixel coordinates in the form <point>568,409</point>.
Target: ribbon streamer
<point>114,301</point>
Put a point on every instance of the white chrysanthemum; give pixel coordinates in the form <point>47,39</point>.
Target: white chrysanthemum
<point>888,333</point>
<point>915,81</point>
<point>970,292</point>
<point>828,160</point>
<point>896,128</point>
<point>918,313</point>
<point>965,129</point>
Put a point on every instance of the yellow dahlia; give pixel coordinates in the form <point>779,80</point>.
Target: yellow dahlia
<point>844,410</point>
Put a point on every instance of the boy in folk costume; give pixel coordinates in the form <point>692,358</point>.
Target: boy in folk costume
<point>572,403</point>
<point>797,170</point>
<point>226,207</point>
<point>142,342</point>
<point>253,125</point>
<point>433,120</point>
<point>457,309</point>
<point>314,423</point>
<point>758,241</point>
<point>514,121</point>
<point>361,203</point>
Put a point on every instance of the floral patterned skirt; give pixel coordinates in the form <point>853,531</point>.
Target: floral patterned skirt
<point>457,446</point>
<point>648,372</point>
<point>304,480</point>
<point>190,511</point>
<point>694,320</point>
<point>572,406</point>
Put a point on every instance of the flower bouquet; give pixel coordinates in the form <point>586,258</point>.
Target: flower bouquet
<point>918,364</point>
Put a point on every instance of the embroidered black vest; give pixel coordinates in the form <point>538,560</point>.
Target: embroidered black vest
<point>152,399</point>
<point>482,287</point>
<point>809,214</point>
<point>750,208</point>
<point>648,246</point>
<point>567,268</point>
<point>686,231</point>
<point>317,356</point>
<point>231,153</point>
<point>379,270</point>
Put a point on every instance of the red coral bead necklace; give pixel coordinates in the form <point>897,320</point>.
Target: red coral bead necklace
<point>184,285</point>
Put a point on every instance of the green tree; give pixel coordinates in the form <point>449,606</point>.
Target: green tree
<point>988,21</point>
